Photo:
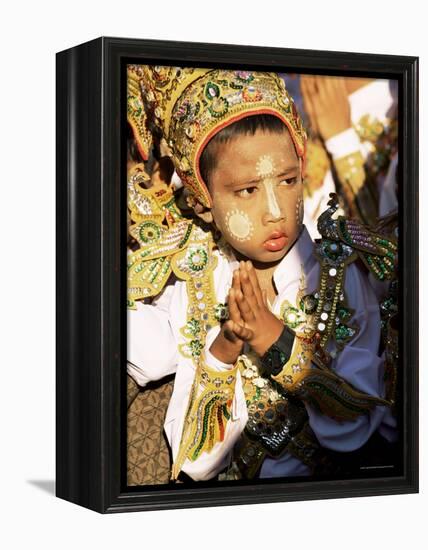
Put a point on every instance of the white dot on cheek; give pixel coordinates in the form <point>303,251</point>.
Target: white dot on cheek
<point>239,225</point>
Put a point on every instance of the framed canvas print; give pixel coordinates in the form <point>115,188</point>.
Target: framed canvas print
<point>237,276</point>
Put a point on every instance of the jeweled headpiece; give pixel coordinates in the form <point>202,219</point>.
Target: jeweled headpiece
<point>188,106</point>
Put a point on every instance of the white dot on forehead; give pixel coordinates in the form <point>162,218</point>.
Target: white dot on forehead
<point>265,166</point>
<point>239,224</point>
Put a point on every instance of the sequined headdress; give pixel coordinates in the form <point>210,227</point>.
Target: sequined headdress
<point>188,106</point>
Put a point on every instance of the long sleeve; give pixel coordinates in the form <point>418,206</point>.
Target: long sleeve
<point>207,416</point>
<point>343,144</point>
<point>152,348</point>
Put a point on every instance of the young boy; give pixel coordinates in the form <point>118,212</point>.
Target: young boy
<point>274,339</point>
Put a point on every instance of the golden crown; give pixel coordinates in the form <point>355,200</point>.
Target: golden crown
<point>188,106</point>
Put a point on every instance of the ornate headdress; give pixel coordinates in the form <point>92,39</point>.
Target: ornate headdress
<point>188,106</point>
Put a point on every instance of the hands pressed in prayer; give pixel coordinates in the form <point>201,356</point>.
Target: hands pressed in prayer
<point>228,344</point>
<point>250,319</point>
<point>263,326</point>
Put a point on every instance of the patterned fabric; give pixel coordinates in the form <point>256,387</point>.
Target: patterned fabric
<point>149,460</point>
<point>132,390</point>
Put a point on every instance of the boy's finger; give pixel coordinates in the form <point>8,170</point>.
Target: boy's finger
<point>234,312</point>
<point>265,298</point>
<point>244,333</point>
<point>236,283</point>
<point>244,307</point>
<point>255,282</point>
<point>247,287</point>
<point>229,332</point>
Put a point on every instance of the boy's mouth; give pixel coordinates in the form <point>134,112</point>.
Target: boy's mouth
<point>276,241</point>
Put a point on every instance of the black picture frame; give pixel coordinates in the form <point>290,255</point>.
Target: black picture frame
<point>91,283</point>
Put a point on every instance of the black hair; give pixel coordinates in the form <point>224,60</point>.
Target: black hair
<point>246,126</point>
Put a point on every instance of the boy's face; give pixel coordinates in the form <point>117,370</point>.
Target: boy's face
<point>257,194</point>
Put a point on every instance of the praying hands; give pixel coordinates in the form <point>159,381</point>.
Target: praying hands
<point>250,319</point>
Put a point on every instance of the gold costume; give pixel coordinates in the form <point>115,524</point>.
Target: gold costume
<point>184,108</point>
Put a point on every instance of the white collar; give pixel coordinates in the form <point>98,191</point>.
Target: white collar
<point>290,267</point>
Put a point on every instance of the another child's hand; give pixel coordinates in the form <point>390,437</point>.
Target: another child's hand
<point>227,346</point>
<point>265,327</point>
<point>327,104</point>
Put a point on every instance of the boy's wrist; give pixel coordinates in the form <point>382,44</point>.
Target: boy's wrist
<point>261,344</point>
<point>222,354</point>
<point>277,355</point>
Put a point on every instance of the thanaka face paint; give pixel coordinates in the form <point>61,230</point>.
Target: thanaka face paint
<point>239,225</point>
<point>255,186</point>
<point>299,211</point>
<point>265,169</point>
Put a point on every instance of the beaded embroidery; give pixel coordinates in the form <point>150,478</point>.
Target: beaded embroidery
<point>321,387</point>
<point>350,170</point>
<point>207,413</point>
<point>354,239</point>
<point>382,137</point>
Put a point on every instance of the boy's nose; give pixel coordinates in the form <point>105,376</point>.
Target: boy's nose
<point>272,209</point>
<point>269,218</point>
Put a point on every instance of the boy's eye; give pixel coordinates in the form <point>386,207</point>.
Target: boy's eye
<point>246,192</point>
<point>289,181</point>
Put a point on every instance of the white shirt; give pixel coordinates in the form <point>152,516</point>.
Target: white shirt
<point>154,335</point>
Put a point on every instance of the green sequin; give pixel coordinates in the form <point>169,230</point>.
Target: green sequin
<point>195,348</point>
<point>221,311</point>
<point>198,259</point>
<point>211,91</point>
<point>149,232</point>
<point>193,326</point>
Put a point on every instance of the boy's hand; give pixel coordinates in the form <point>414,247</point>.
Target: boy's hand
<point>227,346</point>
<point>253,308</point>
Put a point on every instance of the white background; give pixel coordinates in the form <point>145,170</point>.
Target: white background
<point>30,34</point>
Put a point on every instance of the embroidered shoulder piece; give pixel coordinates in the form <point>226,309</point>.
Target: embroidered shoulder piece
<point>150,266</point>
<point>378,253</point>
<point>160,230</point>
<point>208,411</point>
<point>321,387</point>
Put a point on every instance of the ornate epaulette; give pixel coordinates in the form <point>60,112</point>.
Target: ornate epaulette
<point>161,232</point>
<point>378,253</point>
<point>150,266</point>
